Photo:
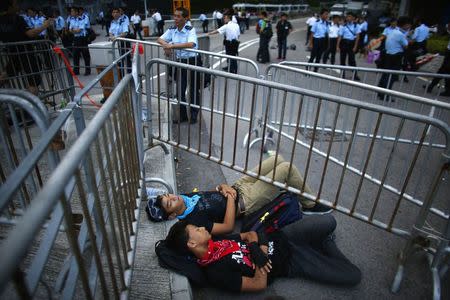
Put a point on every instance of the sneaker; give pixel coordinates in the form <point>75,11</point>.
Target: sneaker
<point>318,209</point>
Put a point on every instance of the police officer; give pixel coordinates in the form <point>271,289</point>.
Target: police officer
<point>231,33</point>
<point>263,55</point>
<point>119,28</point>
<point>333,33</point>
<point>283,27</point>
<point>78,27</point>
<point>202,18</point>
<point>59,23</point>
<point>176,38</point>
<point>419,44</point>
<point>348,42</point>
<point>319,37</point>
<point>396,43</point>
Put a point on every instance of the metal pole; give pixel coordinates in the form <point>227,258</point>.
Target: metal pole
<point>145,9</point>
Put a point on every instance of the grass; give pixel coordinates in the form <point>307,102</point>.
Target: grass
<point>437,43</point>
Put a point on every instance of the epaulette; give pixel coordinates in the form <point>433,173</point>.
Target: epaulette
<point>173,27</point>
<point>188,27</point>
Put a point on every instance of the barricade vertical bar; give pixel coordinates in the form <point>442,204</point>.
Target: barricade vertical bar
<point>121,219</point>
<point>225,90</point>
<point>277,151</point>
<point>366,164</point>
<point>386,168</point>
<point>408,176</point>
<point>297,128</point>
<point>266,116</point>
<point>347,155</point>
<point>91,233</point>
<point>250,128</point>
<point>311,146</point>
<point>330,145</point>
<point>236,125</point>
<point>213,86</point>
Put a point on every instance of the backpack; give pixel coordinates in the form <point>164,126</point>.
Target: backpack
<point>282,211</point>
<point>91,35</point>
<point>267,31</point>
<point>182,264</point>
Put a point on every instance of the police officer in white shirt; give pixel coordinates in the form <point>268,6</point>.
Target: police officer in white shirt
<point>231,32</point>
<point>319,37</point>
<point>77,25</point>
<point>309,24</point>
<point>333,31</point>
<point>177,38</point>
<point>136,21</point>
<point>159,22</point>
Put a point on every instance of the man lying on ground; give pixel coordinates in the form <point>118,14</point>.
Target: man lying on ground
<point>217,211</point>
<point>249,262</point>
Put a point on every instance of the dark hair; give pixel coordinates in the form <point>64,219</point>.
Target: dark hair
<point>184,12</point>
<point>264,13</point>
<point>324,10</point>
<point>402,21</point>
<point>351,14</point>
<point>158,204</point>
<point>283,15</point>
<point>178,237</point>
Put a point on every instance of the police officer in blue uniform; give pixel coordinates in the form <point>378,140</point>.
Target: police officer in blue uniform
<point>319,37</point>
<point>348,42</point>
<point>77,26</point>
<point>119,28</point>
<point>175,39</point>
<point>396,43</point>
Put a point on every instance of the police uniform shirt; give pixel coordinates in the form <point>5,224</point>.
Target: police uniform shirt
<point>388,30</point>
<point>186,35</point>
<point>363,26</point>
<point>59,23</point>
<point>157,16</point>
<point>118,27</point>
<point>202,17</point>
<point>124,20</point>
<point>136,19</point>
<point>39,22</point>
<point>320,29</point>
<point>349,31</point>
<point>85,18</point>
<point>421,33</point>
<point>333,31</point>
<point>78,23</point>
<point>219,15</point>
<point>395,42</point>
<point>311,21</point>
<point>29,21</point>
<point>231,31</point>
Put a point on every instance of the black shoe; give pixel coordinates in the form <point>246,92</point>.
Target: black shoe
<point>87,73</point>
<point>357,78</point>
<point>445,94</point>
<point>405,79</point>
<point>225,69</point>
<point>76,73</point>
<point>103,101</point>
<point>317,209</point>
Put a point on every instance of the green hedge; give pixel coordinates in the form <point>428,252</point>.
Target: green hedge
<point>437,43</point>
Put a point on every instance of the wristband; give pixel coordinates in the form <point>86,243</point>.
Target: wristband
<point>259,257</point>
<point>262,238</point>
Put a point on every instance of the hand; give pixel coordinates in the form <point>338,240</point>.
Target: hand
<point>167,46</point>
<point>310,45</point>
<point>249,237</point>
<point>226,190</point>
<point>167,52</point>
<point>48,22</point>
<point>266,268</point>
<point>355,49</point>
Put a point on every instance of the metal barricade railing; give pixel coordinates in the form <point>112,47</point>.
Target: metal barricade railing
<point>391,201</point>
<point>97,190</point>
<point>415,87</point>
<point>33,66</point>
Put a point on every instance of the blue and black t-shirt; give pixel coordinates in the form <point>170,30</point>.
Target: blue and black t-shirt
<point>210,209</point>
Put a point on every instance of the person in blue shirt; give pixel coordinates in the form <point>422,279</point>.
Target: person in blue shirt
<point>173,41</point>
<point>59,23</point>
<point>363,27</point>
<point>396,43</point>
<point>348,41</point>
<point>78,26</point>
<point>119,28</point>
<point>263,55</point>
<point>418,44</point>
<point>318,38</point>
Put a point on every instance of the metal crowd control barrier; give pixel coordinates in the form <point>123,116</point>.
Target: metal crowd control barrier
<point>33,66</point>
<point>101,180</point>
<point>18,110</point>
<point>417,85</point>
<point>390,202</point>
